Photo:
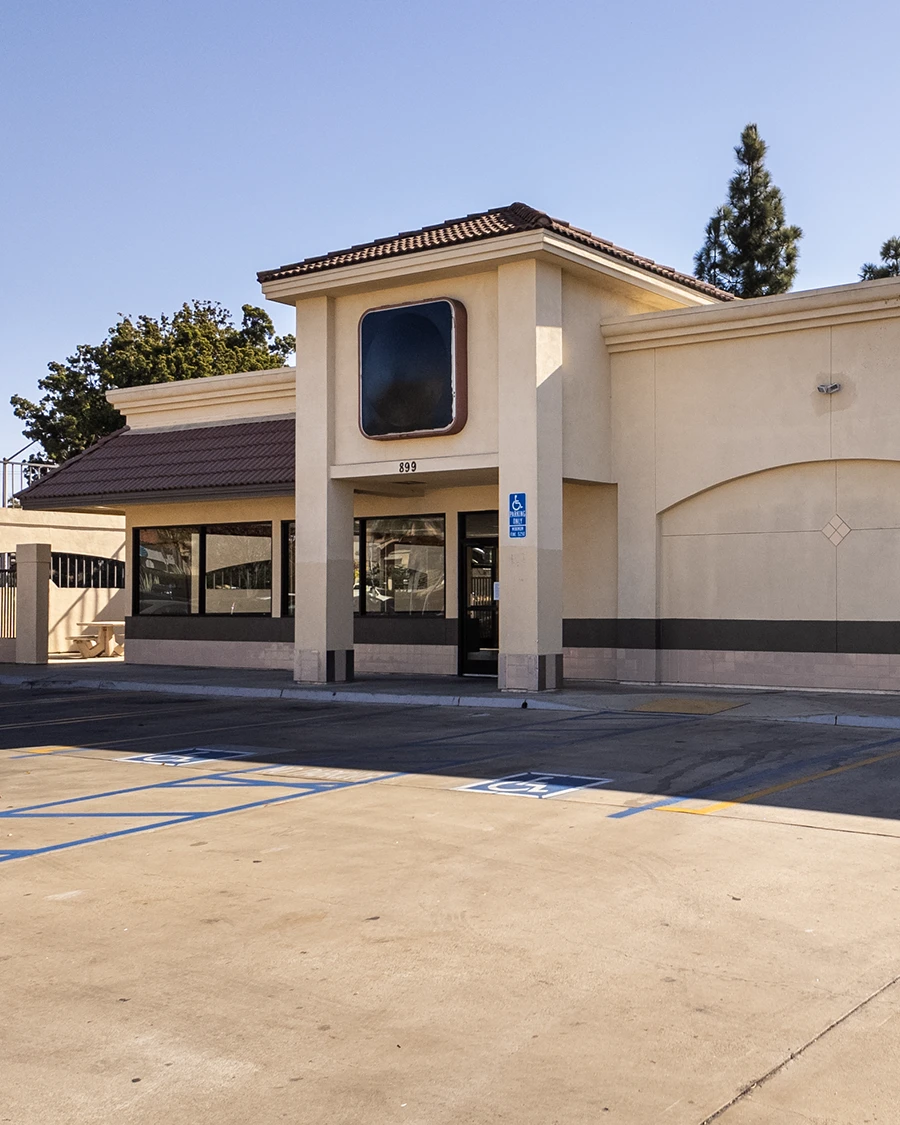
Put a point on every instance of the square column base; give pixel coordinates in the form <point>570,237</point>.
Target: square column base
<point>530,671</point>
<point>332,667</point>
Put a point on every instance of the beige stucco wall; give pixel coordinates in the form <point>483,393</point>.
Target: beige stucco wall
<point>754,548</point>
<point>186,513</point>
<point>81,533</point>
<point>217,400</point>
<point>590,578</point>
<point>691,414</point>
<point>478,292</point>
<point>75,533</point>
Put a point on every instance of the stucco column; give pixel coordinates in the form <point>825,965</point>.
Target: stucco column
<point>530,443</point>
<point>32,602</point>
<point>323,636</point>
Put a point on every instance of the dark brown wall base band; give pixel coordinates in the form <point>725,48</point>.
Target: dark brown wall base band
<point>169,627</point>
<point>733,635</point>
<point>375,630</point>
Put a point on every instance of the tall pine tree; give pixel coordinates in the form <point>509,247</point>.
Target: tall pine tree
<point>749,250</point>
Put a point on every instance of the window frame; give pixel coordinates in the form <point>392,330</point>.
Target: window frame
<point>359,609</point>
<point>201,569</point>
<point>459,370</point>
<point>286,568</point>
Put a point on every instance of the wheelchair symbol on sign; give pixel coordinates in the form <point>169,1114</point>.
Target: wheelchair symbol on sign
<point>516,505</point>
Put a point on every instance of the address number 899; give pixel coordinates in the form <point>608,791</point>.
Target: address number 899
<point>407,466</point>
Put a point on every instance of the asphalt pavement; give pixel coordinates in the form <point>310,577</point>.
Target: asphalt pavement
<point>217,908</point>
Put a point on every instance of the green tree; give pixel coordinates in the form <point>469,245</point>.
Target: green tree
<point>749,250</point>
<point>200,339</point>
<point>890,262</point>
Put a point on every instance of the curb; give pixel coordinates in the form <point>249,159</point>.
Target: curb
<point>312,695</point>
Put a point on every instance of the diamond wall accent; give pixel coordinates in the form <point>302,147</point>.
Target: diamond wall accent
<point>836,530</point>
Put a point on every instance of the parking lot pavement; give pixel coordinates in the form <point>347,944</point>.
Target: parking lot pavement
<point>248,911</point>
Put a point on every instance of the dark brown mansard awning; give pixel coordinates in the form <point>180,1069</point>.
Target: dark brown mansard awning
<point>135,466</point>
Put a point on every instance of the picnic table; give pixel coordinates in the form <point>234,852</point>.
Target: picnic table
<point>101,641</point>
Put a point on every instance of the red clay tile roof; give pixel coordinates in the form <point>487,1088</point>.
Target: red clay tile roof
<point>130,466</point>
<point>513,219</point>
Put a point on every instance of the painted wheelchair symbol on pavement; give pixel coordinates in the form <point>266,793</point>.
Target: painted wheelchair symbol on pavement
<point>536,785</point>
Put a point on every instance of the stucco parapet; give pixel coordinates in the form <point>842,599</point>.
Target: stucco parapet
<point>163,404</point>
<point>788,312</point>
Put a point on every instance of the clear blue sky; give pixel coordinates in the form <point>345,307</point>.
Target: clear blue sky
<point>158,152</point>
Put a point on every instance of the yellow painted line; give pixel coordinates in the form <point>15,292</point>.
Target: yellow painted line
<point>683,706</point>
<point>44,749</point>
<point>784,785</point>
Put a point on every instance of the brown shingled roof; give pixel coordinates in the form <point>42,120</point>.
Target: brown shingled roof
<point>130,466</point>
<point>513,219</point>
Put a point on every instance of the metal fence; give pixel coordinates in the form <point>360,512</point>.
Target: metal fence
<point>86,572</point>
<point>8,602</point>
<point>17,475</point>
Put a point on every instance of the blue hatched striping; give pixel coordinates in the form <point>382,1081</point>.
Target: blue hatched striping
<point>225,780</point>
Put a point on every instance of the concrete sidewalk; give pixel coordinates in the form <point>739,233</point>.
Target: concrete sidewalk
<point>881,710</point>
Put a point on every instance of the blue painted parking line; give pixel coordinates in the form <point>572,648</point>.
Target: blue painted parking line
<point>647,808</point>
<point>296,790</point>
<point>755,779</point>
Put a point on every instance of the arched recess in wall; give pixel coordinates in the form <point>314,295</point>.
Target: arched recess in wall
<point>811,542</point>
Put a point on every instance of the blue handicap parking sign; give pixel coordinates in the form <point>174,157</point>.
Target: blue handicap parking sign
<point>517,515</point>
<point>539,785</point>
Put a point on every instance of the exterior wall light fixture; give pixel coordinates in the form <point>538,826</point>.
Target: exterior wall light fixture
<point>828,388</point>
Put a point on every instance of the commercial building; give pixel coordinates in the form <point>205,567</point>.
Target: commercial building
<point>512,448</point>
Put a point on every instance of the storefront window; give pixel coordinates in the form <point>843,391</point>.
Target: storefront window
<point>219,569</point>
<point>398,566</point>
<point>168,569</point>
<point>239,568</point>
<point>404,565</point>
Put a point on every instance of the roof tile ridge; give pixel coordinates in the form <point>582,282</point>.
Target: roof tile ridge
<point>521,212</point>
<point>613,248</point>
<point>528,216</point>
<point>71,460</point>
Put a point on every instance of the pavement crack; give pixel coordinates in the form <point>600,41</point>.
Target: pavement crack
<point>763,1079</point>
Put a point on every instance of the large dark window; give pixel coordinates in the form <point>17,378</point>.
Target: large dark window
<point>238,568</point>
<point>219,569</point>
<point>412,370</point>
<point>398,566</point>
<point>402,562</point>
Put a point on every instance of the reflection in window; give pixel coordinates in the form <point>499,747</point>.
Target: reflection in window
<point>168,562</point>
<point>404,559</point>
<point>236,577</point>
<point>401,560</point>
<point>239,568</point>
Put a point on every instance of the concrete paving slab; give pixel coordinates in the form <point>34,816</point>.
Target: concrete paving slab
<point>849,1075</point>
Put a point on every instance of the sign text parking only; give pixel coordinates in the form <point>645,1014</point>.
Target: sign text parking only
<point>517,515</point>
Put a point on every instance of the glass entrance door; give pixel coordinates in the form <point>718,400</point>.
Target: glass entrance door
<point>479,594</point>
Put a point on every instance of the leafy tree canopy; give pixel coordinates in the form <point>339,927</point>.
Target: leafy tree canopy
<point>890,262</point>
<point>200,339</point>
<point>749,249</point>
